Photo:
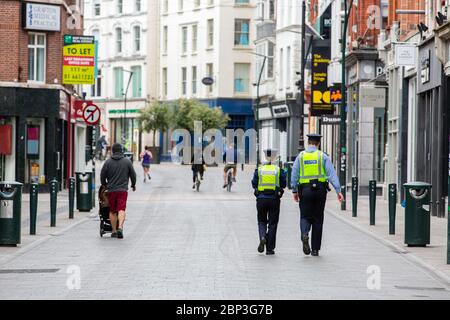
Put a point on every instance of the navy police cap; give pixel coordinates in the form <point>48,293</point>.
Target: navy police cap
<point>314,137</point>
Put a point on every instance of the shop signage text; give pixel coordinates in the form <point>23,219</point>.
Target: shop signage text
<point>331,120</point>
<point>321,103</point>
<point>41,17</point>
<point>405,55</point>
<point>372,97</point>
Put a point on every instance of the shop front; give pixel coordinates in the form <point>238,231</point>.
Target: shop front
<point>35,125</point>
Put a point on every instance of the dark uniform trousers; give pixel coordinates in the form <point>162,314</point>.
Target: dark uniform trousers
<point>312,206</point>
<point>268,217</point>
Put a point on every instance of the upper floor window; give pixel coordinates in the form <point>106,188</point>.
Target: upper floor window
<point>210,33</point>
<point>36,57</point>
<point>180,5</point>
<point>241,77</point>
<point>137,5</point>
<point>166,6</point>
<point>165,39</point>
<point>241,32</point>
<point>194,38</point>
<point>119,6</point>
<point>184,33</point>
<point>137,38</point>
<point>196,3</point>
<point>118,40</point>
<point>97,8</point>
<point>242,1</point>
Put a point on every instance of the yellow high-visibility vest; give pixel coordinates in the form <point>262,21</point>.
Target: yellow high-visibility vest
<point>268,178</point>
<point>312,167</point>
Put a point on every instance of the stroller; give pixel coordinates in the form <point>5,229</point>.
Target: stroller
<point>105,223</point>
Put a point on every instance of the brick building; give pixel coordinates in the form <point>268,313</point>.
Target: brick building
<point>36,126</point>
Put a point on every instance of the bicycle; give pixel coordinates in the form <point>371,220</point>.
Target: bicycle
<point>229,180</point>
<point>197,181</point>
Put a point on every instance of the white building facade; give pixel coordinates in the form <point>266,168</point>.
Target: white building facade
<point>122,87</point>
<point>208,38</point>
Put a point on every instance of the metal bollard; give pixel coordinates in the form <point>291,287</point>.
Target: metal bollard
<point>355,188</point>
<point>93,186</point>
<point>71,197</point>
<point>392,207</point>
<point>53,199</point>
<point>34,191</point>
<point>372,200</point>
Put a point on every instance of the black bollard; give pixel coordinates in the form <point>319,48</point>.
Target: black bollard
<point>372,200</point>
<point>71,197</point>
<point>34,191</point>
<point>355,197</point>
<point>53,201</point>
<point>392,207</point>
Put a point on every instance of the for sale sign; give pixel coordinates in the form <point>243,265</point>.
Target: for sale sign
<point>79,60</point>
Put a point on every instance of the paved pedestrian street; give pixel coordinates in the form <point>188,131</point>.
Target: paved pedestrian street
<point>180,244</point>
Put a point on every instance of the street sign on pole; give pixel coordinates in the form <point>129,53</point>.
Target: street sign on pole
<point>91,114</point>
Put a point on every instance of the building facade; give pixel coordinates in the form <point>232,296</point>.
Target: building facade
<point>122,87</point>
<point>208,39</point>
<point>40,138</point>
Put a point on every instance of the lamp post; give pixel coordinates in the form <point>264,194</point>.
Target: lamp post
<point>256,109</point>
<point>343,131</point>
<point>124,127</point>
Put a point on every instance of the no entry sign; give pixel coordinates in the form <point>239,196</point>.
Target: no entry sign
<point>91,114</point>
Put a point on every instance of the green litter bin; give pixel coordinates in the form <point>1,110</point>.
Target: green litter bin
<point>10,212</point>
<point>84,191</point>
<point>288,170</point>
<point>417,213</point>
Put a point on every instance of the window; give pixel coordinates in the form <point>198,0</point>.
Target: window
<point>241,77</point>
<point>137,81</point>
<point>118,40</point>
<point>184,34</point>
<point>210,73</point>
<point>241,1</point>
<point>36,57</point>
<point>119,6</point>
<point>137,38</point>
<point>166,6</point>
<point>194,38</point>
<point>270,53</point>
<point>288,67</point>
<point>180,5</point>
<point>210,31</point>
<point>96,89</point>
<point>183,81</point>
<point>118,82</point>
<point>165,39</point>
<point>210,2</point>
<point>194,80</point>
<point>164,81</point>
<point>196,3</point>
<point>241,32</point>
<point>137,5</point>
<point>97,8</point>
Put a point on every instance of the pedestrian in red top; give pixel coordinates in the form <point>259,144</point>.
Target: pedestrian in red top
<point>115,174</point>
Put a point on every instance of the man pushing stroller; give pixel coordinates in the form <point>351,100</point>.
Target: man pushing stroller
<point>115,175</point>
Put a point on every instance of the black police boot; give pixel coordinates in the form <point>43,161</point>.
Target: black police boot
<point>306,247</point>
<point>270,252</point>
<point>315,253</point>
<point>262,243</point>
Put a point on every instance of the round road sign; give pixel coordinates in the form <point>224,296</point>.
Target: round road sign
<point>91,114</point>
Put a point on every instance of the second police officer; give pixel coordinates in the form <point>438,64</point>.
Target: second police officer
<point>311,174</point>
<point>269,182</point>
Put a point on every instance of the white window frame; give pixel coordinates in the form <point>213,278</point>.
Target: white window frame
<point>36,46</point>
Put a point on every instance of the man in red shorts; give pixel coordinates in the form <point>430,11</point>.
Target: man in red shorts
<point>115,175</point>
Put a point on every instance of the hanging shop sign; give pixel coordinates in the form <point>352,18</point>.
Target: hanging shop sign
<point>41,17</point>
<point>280,111</point>
<point>372,97</point>
<point>321,99</point>
<point>331,120</point>
<point>79,60</point>
<point>405,55</point>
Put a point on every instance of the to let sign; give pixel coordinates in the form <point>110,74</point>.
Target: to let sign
<point>79,60</point>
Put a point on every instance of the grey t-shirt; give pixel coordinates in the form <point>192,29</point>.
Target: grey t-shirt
<point>116,172</point>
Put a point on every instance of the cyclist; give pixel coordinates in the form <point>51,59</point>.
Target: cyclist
<point>230,160</point>
<point>198,167</point>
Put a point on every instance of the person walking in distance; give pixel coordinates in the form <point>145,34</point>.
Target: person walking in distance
<point>268,182</point>
<point>146,157</point>
<point>115,175</point>
<point>311,173</point>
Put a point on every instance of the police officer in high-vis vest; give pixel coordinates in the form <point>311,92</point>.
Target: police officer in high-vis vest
<point>269,182</point>
<point>311,174</point>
